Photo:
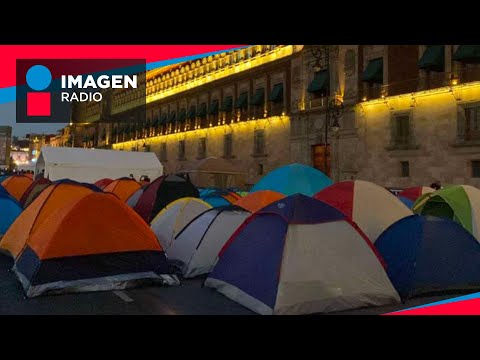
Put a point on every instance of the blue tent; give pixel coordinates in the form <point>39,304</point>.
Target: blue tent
<point>292,179</point>
<point>406,201</point>
<point>426,254</point>
<point>215,200</point>
<point>292,256</point>
<point>3,177</point>
<point>9,210</point>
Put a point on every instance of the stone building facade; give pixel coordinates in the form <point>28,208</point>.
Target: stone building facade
<point>409,114</point>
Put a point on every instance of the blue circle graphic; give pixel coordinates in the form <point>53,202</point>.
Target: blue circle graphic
<point>39,77</point>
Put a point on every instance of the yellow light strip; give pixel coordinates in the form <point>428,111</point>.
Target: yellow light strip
<point>236,126</point>
<point>431,92</point>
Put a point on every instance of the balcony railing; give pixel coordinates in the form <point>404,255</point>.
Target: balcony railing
<point>431,80</point>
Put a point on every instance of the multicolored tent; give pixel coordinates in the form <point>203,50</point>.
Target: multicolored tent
<point>426,254</point>
<point>195,249</point>
<point>292,179</point>
<point>35,188</point>
<point>10,209</point>
<point>16,185</point>
<point>258,200</point>
<point>414,193</point>
<point>460,203</point>
<point>221,198</point>
<point>406,201</point>
<point>174,217</point>
<point>123,188</point>
<point>96,243</point>
<point>133,199</point>
<point>371,207</point>
<point>161,192</point>
<point>299,256</point>
<point>103,182</point>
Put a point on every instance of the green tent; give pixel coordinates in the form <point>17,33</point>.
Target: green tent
<point>460,203</point>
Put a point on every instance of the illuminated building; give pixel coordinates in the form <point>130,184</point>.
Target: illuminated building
<point>410,114</point>
<point>5,143</point>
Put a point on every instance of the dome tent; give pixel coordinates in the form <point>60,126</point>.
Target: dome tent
<point>123,188</point>
<point>174,217</point>
<point>299,256</point>
<point>414,193</point>
<point>426,254</point>
<point>258,200</point>
<point>292,179</point>
<point>16,185</point>
<point>161,192</point>
<point>195,249</point>
<point>10,209</point>
<point>370,206</point>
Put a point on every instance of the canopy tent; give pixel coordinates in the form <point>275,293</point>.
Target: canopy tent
<point>292,179</point>
<point>161,192</point>
<point>213,171</point>
<point>258,200</point>
<point>91,165</point>
<point>123,188</point>
<point>426,254</point>
<point>35,188</point>
<point>96,243</point>
<point>460,203</point>
<point>298,256</point>
<point>372,207</point>
<point>414,193</point>
<point>16,185</point>
<point>176,215</point>
<point>195,249</point>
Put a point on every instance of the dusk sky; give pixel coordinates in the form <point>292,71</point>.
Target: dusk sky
<point>7,117</point>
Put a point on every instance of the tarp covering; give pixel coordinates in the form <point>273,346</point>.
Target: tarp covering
<point>91,165</point>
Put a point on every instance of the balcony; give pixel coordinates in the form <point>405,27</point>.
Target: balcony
<point>428,81</point>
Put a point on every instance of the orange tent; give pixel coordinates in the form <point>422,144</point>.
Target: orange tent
<point>29,175</point>
<point>16,185</point>
<point>231,197</point>
<point>94,243</point>
<point>54,197</point>
<point>258,200</point>
<point>103,182</point>
<point>123,188</point>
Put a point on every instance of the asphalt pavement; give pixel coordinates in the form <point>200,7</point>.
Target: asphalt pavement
<point>190,298</point>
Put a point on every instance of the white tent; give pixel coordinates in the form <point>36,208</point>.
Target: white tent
<point>174,217</point>
<point>90,165</point>
<point>195,249</point>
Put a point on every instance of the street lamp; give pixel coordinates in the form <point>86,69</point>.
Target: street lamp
<point>334,108</point>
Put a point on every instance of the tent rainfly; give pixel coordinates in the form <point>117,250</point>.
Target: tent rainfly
<point>90,165</point>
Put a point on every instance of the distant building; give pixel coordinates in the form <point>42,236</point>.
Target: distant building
<point>5,144</point>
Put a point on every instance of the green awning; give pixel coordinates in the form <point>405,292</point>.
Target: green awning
<point>114,131</point>
<point>192,112</point>
<point>156,121</point>
<point>242,101</point>
<point>433,58</point>
<point>173,117</point>
<point>147,125</point>
<point>259,97</point>
<point>277,93</point>
<point>213,108</point>
<point>467,54</point>
<point>227,104</point>
<point>202,110</point>
<point>320,82</point>
<point>182,115</point>
<point>374,71</point>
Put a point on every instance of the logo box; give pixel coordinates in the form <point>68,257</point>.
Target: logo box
<point>42,98</point>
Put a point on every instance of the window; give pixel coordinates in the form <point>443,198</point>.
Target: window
<point>259,142</point>
<point>260,169</point>
<point>476,168</point>
<point>228,146</point>
<point>401,134</point>
<point>202,148</point>
<point>181,149</point>
<point>163,152</point>
<point>472,123</point>
<point>405,168</point>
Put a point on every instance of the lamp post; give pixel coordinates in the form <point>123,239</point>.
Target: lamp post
<point>334,107</point>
